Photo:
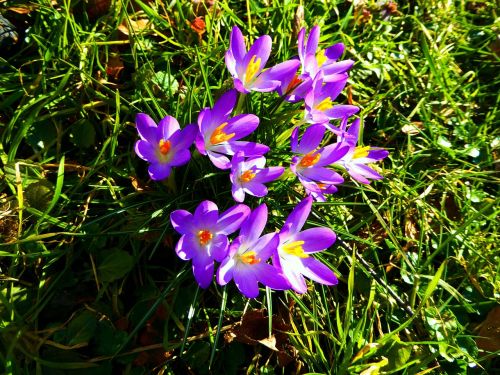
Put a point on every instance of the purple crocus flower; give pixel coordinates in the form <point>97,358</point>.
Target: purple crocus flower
<point>247,67</point>
<point>324,60</point>
<point>310,165</point>
<point>248,176</point>
<point>219,135</point>
<point>246,262</point>
<point>204,236</point>
<point>319,101</point>
<point>296,246</point>
<point>295,87</point>
<point>317,190</point>
<point>356,159</point>
<point>164,145</point>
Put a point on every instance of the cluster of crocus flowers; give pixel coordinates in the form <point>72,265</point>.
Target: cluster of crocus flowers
<point>247,259</point>
<point>282,259</point>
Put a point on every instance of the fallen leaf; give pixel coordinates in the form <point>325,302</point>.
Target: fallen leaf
<point>198,25</point>
<point>134,27</point>
<point>489,336</point>
<point>114,66</point>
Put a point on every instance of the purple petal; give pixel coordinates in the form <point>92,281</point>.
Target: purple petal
<point>218,247</point>
<point>271,276</point>
<point>219,160</point>
<point>311,139</point>
<point>279,72</point>
<point>241,125</point>
<point>200,144</point>
<point>240,86</point>
<point>253,226</point>
<point>263,85</point>
<point>341,110</point>
<point>205,124</point>
<point>231,220</point>
<point>266,246</point>
<point>249,148</point>
<point>313,40</point>
<point>237,44</point>
<point>147,128</point>
<point>291,269</point>
<point>331,153</point>
<point>317,271</point>
<point>180,157</point>
<point>334,52</point>
<point>335,68</point>
<point>206,214</point>
<point>145,151</point>
<point>203,270</point>
<point>300,43</point>
<point>333,89</point>
<point>246,281</point>
<point>294,140</point>
<point>377,154</point>
<point>316,239</point>
<point>182,221</point>
<point>361,173</point>
<point>238,193</point>
<point>255,188</point>
<point>185,137</point>
<point>186,248</point>
<point>223,107</point>
<point>225,271</point>
<point>268,174</point>
<point>323,175</point>
<point>159,171</point>
<point>168,126</point>
<point>297,218</point>
<point>260,49</point>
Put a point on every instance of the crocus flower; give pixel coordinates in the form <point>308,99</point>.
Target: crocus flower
<point>246,68</point>
<point>324,60</point>
<point>295,87</point>
<point>164,145</point>
<point>204,236</point>
<point>296,246</point>
<point>219,134</point>
<point>319,101</point>
<point>310,165</point>
<point>248,176</point>
<point>246,262</point>
<point>317,190</point>
<point>356,159</point>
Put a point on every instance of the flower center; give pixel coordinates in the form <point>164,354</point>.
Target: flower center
<point>321,58</point>
<point>205,236</point>
<point>249,258</point>
<point>295,248</point>
<point>361,152</point>
<point>164,146</point>
<point>219,136</point>
<point>309,159</point>
<point>324,104</point>
<point>252,68</point>
<point>293,83</point>
<point>247,176</point>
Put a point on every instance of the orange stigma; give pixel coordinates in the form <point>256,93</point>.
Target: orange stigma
<point>249,258</point>
<point>293,83</point>
<point>204,236</point>
<point>309,159</point>
<point>164,146</point>
<point>247,176</point>
<point>219,136</point>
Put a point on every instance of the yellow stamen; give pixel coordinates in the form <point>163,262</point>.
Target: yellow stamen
<point>205,236</point>
<point>249,258</point>
<point>321,186</point>
<point>247,176</point>
<point>361,152</point>
<point>324,104</point>
<point>164,146</point>
<point>219,136</point>
<point>295,248</point>
<point>252,68</point>
<point>321,58</point>
<point>309,159</point>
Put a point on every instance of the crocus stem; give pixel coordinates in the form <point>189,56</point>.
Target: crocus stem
<point>241,102</point>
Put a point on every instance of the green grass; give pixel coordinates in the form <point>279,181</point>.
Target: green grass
<point>89,280</point>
